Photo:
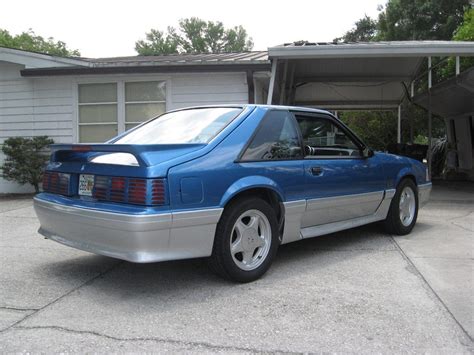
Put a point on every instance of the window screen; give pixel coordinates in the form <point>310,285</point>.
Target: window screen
<point>276,139</point>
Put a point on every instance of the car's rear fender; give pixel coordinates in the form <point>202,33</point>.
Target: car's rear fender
<point>251,182</point>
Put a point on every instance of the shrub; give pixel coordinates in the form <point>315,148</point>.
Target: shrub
<point>25,159</point>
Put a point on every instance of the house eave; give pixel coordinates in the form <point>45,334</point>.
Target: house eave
<point>181,68</point>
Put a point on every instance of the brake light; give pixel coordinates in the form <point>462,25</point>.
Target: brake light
<point>81,148</point>
<point>157,192</point>
<point>117,189</point>
<point>56,183</point>
<point>149,192</point>
<point>137,191</point>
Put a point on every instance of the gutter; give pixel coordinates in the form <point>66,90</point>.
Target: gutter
<point>180,68</point>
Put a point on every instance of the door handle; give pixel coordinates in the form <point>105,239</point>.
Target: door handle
<point>316,170</point>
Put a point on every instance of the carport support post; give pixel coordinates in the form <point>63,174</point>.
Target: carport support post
<point>429,117</point>
<point>399,124</point>
<point>272,82</point>
<point>283,84</point>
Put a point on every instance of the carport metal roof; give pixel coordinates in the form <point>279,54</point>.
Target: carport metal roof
<point>351,75</point>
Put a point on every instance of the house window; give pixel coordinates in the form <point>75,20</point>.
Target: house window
<point>143,100</point>
<point>97,112</point>
<point>108,109</point>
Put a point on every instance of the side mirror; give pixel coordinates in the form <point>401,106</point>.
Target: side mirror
<point>367,152</point>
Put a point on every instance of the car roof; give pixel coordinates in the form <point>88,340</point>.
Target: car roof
<point>280,107</point>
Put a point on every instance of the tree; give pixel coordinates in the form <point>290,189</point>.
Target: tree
<point>377,129</point>
<point>420,19</point>
<point>465,32</point>
<point>364,31</point>
<point>195,36</point>
<point>29,41</point>
<point>25,159</point>
<point>403,20</point>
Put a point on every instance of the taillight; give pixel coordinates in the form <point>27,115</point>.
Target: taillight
<point>117,189</point>
<point>149,192</point>
<point>101,187</point>
<point>137,191</point>
<point>56,183</point>
<point>157,192</point>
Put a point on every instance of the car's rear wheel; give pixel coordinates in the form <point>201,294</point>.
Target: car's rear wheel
<point>246,240</point>
<point>403,211</point>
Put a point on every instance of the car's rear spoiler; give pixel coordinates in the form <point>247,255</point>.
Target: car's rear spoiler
<point>81,151</point>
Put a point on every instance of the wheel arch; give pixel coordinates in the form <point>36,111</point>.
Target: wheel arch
<point>253,186</point>
<point>405,173</point>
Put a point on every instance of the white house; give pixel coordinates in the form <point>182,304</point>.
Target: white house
<point>91,100</point>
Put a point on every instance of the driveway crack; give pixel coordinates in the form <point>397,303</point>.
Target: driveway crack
<point>426,283</point>
<point>19,309</point>
<point>87,282</point>
<point>183,343</point>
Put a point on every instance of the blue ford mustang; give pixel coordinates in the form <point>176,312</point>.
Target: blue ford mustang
<point>230,183</point>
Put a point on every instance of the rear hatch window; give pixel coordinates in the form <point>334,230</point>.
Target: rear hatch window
<point>180,127</point>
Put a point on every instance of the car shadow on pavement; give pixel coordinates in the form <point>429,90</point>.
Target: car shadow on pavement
<point>126,280</point>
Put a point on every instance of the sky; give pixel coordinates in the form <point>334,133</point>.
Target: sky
<point>104,28</point>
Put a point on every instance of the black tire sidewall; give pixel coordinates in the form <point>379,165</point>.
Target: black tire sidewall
<point>224,234</point>
<point>394,214</point>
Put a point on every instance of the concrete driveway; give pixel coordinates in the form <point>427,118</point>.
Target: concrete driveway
<point>354,291</point>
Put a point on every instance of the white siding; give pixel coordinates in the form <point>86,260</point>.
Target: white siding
<point>208,89</point>
<point>32,107</point>
<point>47,106</point>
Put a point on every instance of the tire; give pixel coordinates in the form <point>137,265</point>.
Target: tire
<point>246,240</point>
<point>403,210</point>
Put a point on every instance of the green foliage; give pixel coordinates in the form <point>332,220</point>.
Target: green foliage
<point>25,159</point>
<point>421,139</point>
<point>420,19</point>
<point>402,20</point>
<point>364,31</point>
<point>377,129</point>
<point>195,36</point>
<point>29,41</point>
<point>465,32</point>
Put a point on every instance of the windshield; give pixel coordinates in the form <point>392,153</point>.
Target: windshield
<point>187,126</point>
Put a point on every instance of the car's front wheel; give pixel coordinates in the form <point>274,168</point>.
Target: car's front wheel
<point>403,211</point>
<point>246,240</point>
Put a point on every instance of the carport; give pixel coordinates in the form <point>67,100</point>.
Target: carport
<point>357,76</point>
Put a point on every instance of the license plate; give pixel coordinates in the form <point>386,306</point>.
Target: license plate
<point>86,184</point>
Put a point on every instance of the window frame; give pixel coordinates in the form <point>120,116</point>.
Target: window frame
<point>105,103</point>
<point>340,125</point>
<point>120,81</point>
<point>259,127</point>
<point>125,102</point>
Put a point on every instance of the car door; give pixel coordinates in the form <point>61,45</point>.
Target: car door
<point>340,183</point>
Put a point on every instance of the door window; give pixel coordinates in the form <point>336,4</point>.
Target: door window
<point>323,137</point>
<point>276,139</point>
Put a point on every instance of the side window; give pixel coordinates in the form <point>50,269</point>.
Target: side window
<point>322,137</point>
<point>276,139</point>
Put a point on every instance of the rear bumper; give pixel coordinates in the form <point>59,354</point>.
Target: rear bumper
<point>132,237</point>
<point>424,191</point>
